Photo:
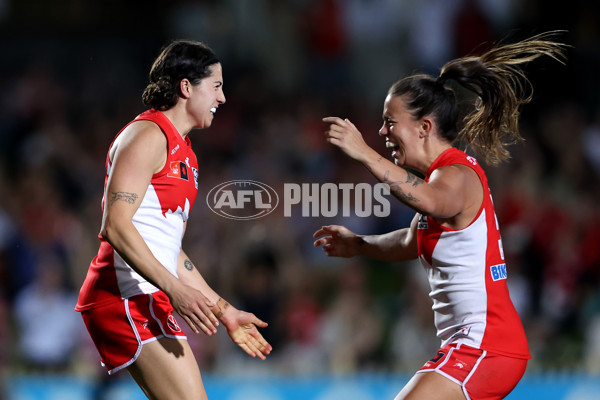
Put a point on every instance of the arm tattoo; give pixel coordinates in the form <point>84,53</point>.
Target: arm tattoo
<point>370,168</point>
<point>222,305</point>
<point>415,180</point>
<point>188,265</point>
<point>396,188</point>
<point>125,196</point>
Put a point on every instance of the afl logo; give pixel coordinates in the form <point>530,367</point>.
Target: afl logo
<point>242,199</point>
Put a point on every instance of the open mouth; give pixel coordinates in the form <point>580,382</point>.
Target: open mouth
<point>395,147</point>
<point>213,110</point>
<point>391,145</point>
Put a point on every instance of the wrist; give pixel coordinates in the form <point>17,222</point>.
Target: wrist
<point>168,284</point>
<point>370,158</point>
<point>223,310</point>
<point>360,244</point>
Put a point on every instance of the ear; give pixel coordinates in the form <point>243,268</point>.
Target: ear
<point>425,127</point>
<point>185,88</point>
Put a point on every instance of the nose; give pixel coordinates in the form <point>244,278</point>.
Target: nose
<point>221,97</point>
<point>383,131</point>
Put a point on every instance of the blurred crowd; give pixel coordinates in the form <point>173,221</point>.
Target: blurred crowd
<point>72,75</point>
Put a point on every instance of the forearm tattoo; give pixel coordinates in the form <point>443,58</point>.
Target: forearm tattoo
<point>396,188</point>
<point>188,265</point>
<point>371,168</point>
<point>221,306</point>
<point>415,180</point>
<point>124,196</point>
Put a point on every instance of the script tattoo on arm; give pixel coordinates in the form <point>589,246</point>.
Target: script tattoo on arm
<point>396,188</point>
<point>124,196</point>
<point>188,265</point>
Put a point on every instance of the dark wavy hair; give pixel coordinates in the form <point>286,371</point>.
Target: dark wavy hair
<point>177,60</point>
<point>500,88</point>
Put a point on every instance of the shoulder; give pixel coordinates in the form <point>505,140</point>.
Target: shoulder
<point>451,172</point>
<point>143,130</point>
<point>140,136</point>
<point>140,133</point>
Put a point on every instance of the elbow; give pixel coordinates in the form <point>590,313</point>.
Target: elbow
<point>427,208</point>
<point>106,232</point>
<point>436,209</point>
<point>109,231</point>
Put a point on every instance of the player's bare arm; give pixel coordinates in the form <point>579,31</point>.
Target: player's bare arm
<point>399,245</point>
<point>138,153</point>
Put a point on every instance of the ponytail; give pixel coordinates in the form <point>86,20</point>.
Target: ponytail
<point>501,87</point>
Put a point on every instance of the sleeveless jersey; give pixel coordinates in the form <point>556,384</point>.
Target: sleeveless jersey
<point>159,220</point>
<point>467,274</point>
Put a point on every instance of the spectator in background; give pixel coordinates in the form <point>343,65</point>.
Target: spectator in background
<point>46,324</point>
<point>352,325</point>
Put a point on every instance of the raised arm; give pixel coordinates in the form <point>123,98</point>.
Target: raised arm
<point>400,245</point>
<point>138,153</point>
<point>449,191</point>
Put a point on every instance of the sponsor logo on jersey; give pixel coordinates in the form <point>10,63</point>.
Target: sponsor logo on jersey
<point>178,169</point>
<point>242,199</point>
<point>175,150</point>
<point>172,324</point>
<point>498,272</point>
<point>422,224</point>
<point>472,160</point>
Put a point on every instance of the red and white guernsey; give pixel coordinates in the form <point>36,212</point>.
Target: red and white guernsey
<point>467,275</point>
<point>159,220</point>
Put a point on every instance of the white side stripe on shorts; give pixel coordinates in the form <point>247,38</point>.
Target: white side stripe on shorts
<point>464,385</point>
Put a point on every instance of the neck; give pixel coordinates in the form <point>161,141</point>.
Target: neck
<point>432,150</point>
<point>179,119</point>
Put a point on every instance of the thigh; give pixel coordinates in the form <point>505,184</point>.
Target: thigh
<point>430,386</point>
<point>167,369</point>
<point>119,330</point>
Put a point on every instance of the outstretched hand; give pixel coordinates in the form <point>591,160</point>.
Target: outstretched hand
<point>338,241</point>
<point>241,327</point>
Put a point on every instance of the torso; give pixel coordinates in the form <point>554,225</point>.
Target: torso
<point>467,273</point>
<point>159,220</point>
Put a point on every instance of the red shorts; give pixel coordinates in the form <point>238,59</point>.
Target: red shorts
<point>120,329</point>
<point>481,374</point>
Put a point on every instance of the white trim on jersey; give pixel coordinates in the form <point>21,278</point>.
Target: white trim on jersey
<point>458,289</point>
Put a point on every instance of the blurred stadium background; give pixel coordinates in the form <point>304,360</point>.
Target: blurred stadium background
<point>72,73</point>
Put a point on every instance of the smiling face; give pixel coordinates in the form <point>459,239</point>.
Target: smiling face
<point>205,97</point>
<point>401,132</point>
